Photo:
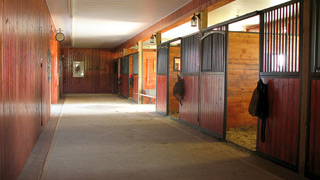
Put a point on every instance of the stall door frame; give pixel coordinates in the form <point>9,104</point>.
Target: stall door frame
<point>160,47</point>
<point>135,74</point>
<point>165,45</point>
<point>268,68</point>
<point>208,33</point>
<point>125,60</point>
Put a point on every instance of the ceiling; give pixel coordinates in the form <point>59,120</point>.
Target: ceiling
<point>108,23</point>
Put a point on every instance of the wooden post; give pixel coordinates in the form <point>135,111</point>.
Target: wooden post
<point>140,73</point>
<point>305,84</point>
<point>203,22</point>
<point>158,38</point>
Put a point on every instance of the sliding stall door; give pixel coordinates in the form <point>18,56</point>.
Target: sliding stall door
<point>125,77</point>
<point>213,79</point>
<point>190,65</point>
<point>280,70</point>
<point>135,71</point>
<point>162,79</point>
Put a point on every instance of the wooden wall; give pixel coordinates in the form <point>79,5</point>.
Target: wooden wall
<point>149,75</point>
<point>23,82</point>
<point>55,62</point>
<point>313,161</point>
<point>189,109</point>
<point>99,75</point>
<point>173,102</point>
<point>282,127</point>
<point>243,76</point>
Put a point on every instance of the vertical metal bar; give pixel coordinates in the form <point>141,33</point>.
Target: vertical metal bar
<point>298,37</point>
<point>280,38</point>
<point>317,16</point>
<point>286,44</point>
<point>289,39</point>
<point>283,41</point>
<point>277,40</point>
<point>274,41</point>
<point>267,43</point>
<point>296,43</point>
<point>261,43</point>
<point>292,39</point>
<point>265,47</point>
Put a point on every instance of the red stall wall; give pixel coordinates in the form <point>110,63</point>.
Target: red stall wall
<point>23,82</point>
<point>162,94</point>
<point>283,121</point>
<point>124,85</point>
<point>313,165</point>
<point>212,103</point>
<point>99,71</point>
<point>189,108</point>
<point>135,88</point>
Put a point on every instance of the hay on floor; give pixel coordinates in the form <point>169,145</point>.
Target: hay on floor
<point>245,136</point>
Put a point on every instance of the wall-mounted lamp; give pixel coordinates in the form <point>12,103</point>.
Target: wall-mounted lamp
<point>136,46</point>
<point>152,38</point>
<point>121,52</point>
<point>194,20</point>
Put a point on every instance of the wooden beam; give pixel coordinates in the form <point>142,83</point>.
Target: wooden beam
<point>140,72</point>
<point>175,19</point>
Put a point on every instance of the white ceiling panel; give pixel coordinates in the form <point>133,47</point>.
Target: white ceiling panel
<point>108,23</point>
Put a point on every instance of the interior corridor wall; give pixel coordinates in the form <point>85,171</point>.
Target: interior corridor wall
<point>25,92</point>
<point>149,72</point>
<point>243,75</point>
<point>173,78</point>
<point>99,71</point>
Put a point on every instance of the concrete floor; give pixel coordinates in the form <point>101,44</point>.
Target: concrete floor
<point>108,137</point>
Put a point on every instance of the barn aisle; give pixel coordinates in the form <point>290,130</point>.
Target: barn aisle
<point>108,137</point>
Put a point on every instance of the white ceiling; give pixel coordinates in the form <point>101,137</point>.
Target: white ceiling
<point>108,23</point>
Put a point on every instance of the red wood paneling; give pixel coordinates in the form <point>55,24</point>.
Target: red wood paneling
<point>124,85</point>
<point>135,88</point>
<point>25,88</point>
<point>55,52</point>
<point>283,121</point>
<point>149,66</point>
<point>212,103</point>
<point>313,165</point>
<point>189,108</point>
<point>99,75</point>
<point>162,94</point>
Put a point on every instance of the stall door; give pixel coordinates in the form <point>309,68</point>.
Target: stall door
<point>280,70</point>
<point>212,91</point>
<point>162,79</point>
<point>135,71</point>
<point>190,68</point>
<point>125,77</point>
<point>119,76</point>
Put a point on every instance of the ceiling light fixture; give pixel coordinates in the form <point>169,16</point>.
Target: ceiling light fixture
<point>152,38</point>
<point>194,20</point>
